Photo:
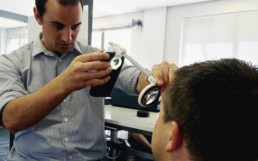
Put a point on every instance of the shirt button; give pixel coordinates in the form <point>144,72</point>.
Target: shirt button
<point>65,119</point>
<point>66,139</point>
<point>70,157</point>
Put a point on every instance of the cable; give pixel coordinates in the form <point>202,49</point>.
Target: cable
<point>115,157</point>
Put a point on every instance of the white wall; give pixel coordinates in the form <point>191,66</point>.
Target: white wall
<point>83,36</point>
<point>162,27</point>
<point>160,37</point>
<point>2,41</point>
<point>147,42</point>
<point>33,29</point>
<point>150,49</point>
<point>116,20</point>
<point>175,17</point>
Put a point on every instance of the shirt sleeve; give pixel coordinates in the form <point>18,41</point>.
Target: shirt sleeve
<point>128,78</point>
<point>11,84</point>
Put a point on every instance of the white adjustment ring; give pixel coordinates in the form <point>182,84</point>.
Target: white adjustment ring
<point>143,93</point>
<point>115,63</point>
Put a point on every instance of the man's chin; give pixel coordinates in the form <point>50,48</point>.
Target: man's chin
<point>65,50</point>
<point>62,51</point>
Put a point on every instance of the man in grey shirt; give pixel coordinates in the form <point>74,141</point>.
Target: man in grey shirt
<point>44,89</point>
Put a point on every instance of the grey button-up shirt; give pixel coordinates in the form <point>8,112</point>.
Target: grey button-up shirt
<point>74,130</point>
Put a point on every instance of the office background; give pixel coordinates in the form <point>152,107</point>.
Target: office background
<point>167,33</point>
<point>162,35</point>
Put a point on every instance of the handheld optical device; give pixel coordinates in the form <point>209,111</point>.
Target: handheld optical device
<point>151,92</point>
<point>106,89</point>
<point>147,96</point>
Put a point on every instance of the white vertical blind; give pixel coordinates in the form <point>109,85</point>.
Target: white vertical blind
<point>232,35</point>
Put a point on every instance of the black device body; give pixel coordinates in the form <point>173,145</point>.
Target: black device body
<point>106,89</point>
<point>120,98</point>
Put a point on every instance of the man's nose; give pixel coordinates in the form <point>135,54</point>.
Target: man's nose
<point>67,35</point>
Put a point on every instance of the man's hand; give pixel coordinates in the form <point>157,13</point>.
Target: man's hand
<point>86,70</point>
<point>163,73</point>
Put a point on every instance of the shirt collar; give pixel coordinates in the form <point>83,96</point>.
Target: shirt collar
<point>39,48</point>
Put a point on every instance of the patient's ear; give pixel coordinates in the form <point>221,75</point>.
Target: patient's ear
<point>175,137</point>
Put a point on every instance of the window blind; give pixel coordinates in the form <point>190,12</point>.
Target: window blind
<point>233,35</point>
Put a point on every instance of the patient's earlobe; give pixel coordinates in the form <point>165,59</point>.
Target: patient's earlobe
<point>175,138</point>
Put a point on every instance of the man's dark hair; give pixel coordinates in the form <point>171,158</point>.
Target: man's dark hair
<point>215,105</point>
<point>41,4</point>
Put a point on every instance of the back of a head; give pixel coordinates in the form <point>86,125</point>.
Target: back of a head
<point>215,104</point>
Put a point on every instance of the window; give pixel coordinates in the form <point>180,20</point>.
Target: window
<point>232,35</point>
<point>13,38</point>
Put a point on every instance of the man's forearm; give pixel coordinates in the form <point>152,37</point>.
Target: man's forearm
<point>141,83</point>
<point>27,110</point>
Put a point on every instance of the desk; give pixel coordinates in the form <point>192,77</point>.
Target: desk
<point>126,119</point>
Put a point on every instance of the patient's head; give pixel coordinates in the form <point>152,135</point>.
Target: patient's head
<point>208,113</point>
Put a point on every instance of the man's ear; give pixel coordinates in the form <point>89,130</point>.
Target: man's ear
<point>175,137</point>
<point>37,16</point>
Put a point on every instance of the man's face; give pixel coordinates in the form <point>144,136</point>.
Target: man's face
<point>60,26</point>
<point>160,136</point>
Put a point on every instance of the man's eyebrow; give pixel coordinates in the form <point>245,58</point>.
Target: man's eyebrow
<point>59,23</point>
<point>77,24</point>
<point>56,22</point>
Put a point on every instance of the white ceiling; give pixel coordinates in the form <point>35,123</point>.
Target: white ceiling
<point>101,7</point>
<point>110,7</point>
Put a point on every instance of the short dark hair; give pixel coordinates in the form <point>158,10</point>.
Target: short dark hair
<point>215,105</point>
<point>41,4</point>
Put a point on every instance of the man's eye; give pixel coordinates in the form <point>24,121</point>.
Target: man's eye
<point>75,27</point>
<point>58,26</point>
